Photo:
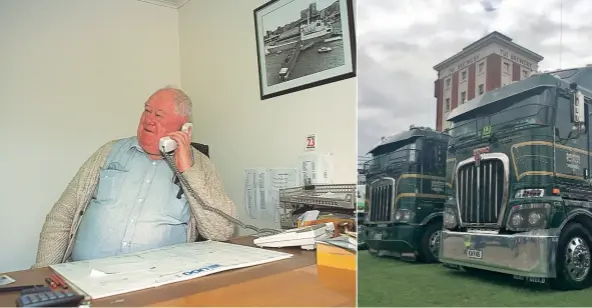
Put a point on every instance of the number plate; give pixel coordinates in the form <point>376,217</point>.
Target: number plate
<point>474,254</point>
<point>531,279</point>
<point>536,280</point>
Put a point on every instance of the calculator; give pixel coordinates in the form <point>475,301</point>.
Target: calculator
<point>49,299</point>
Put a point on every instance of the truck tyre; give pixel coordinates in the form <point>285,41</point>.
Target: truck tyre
<point>430,243</point>
<point>573,259</point>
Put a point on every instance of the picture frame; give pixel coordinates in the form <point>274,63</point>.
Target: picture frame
<point>303,44</point>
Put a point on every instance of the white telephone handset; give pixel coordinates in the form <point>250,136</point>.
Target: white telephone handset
<point>167,144</point>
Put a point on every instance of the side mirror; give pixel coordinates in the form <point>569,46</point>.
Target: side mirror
<point>577,104</point>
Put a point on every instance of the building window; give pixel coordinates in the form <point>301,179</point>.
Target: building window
<point>481,89</point>
<point>448,83</point>
<point>506,67</point>
<point>463,97</point>
<point>481,67</point>
<point>463,75</point>
<point>447,105</point>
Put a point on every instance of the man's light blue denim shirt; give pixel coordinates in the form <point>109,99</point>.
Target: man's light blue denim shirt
<point>134,208</point>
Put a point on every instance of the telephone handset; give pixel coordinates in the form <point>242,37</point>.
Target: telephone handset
<point>167,145</point>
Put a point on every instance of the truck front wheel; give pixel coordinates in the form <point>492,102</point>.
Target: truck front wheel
<point>573,259</point>
<point>430,243</point>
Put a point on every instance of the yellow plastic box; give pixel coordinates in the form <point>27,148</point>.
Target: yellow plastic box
<point>337,257</point>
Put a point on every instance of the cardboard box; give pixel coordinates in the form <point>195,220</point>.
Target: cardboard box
<point>341,225</point>
<point>337,257</point>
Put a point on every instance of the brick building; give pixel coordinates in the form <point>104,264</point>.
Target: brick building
<point>487,64</point>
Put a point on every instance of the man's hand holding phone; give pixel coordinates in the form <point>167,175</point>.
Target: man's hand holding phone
<point>183,156</point>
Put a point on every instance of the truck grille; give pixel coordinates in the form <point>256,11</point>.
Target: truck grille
<point>382,195</point>
<point>480,190</point>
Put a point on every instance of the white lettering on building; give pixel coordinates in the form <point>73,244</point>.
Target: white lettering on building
<point>510,56</point>
<point>464,63</point>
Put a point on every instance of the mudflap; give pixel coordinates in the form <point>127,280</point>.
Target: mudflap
<point>452,266</point>
<point>398,241</point>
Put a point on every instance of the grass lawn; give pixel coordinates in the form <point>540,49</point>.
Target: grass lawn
<point>390,282</point>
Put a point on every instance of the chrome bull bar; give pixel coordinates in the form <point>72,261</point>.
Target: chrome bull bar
<point>528,254</point>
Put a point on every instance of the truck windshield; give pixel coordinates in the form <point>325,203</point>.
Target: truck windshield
<point>401,160</point>
<point>525,110</point>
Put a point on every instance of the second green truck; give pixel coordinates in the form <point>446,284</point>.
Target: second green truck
<point>405,192</point>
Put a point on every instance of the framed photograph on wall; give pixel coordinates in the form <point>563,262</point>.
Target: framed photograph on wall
<point>303,44</point>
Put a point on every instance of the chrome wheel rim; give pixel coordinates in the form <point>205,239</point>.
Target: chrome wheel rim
<point>434,243</point>
<point>577,259</point>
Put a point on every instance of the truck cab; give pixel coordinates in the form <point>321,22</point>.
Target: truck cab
<point>405,194</point>
<point>520,197</point>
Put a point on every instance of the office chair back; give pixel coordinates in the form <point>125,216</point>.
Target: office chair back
<point>203,148</point>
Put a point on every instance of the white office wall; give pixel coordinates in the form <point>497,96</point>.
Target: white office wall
<point>73,75</point>
<point>219,71</point>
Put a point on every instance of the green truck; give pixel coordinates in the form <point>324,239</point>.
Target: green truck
<point>521,197</point>
<point>406,191</point>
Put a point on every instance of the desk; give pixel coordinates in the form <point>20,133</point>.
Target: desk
<point>297,281</point>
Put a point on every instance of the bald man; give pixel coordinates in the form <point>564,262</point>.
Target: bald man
<point>125,198</point>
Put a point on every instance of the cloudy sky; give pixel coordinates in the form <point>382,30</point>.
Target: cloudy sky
<point>400,41</point>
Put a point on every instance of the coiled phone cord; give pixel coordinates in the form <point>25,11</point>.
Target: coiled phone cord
<point>171,161</point>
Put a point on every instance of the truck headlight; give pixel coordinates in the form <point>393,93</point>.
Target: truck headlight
<point>534,218</point>
<point>524,217</point>
<point>450,221</point>
<point>402,215</point>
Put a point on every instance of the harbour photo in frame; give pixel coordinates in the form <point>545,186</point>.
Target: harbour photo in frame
<point>303,44</point>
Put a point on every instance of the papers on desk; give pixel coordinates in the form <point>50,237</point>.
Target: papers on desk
<point>137,271</point>
<point>4,280</point>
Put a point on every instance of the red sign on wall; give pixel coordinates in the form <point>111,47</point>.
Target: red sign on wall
<point>311,142</point>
